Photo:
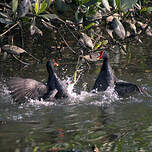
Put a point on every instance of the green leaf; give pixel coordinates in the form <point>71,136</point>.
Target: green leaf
<point>97,46</point>
<point>104,42</point>
<point>127,4</point>
<point>89,26</point>
<point>26,19</point>
<point>143,10</point>
<point>149,9</point>
<point>117,3</point>
<point>14,5</point>
<point>36,8</point>
<point>75,76</point>
<point>35,149</point>
<point>43,7</point>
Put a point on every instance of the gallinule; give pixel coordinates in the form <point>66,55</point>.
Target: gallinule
<point>29,88</point>
<point>106,79</point>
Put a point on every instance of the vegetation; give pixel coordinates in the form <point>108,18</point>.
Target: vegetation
<point>83,27</point>
<point>90,24</point>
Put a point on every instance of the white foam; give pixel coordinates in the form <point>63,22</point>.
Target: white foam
<point>85,97</point>
<point>107,97</point>
<point>36,102</point>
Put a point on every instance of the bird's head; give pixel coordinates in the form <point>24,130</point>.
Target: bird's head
<point>51,64</point>
<point>103,55</point>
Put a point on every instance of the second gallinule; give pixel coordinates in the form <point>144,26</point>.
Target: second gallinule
<point>29,88</point>
<point>106,79</point>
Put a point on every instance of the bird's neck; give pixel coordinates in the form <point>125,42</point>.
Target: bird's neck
<point>51,80</point>
<point>51,72</point>
<point>105,65</point>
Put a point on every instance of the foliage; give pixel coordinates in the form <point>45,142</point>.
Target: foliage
<point>89,15</point>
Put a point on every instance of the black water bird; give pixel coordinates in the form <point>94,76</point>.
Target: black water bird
<point>29,88</point>
<point>106,79</point>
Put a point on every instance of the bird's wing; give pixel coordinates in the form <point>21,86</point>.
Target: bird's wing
<point>26,88</point>
<point>126,88</point>
<point>61,86</point>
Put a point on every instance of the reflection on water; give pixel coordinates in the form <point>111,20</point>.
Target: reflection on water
<point>83,120</point>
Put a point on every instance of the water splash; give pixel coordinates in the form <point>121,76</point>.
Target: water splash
<point>84,97</point>
<point>99,98</point>
<point>5,93</point>
<point>39,103</point>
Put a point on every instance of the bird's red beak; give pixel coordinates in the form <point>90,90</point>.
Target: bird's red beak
<point>55,63</point>
<point>101,55</point>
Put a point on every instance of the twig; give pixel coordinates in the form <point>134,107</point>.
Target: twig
<point>71,32</point>
<point>60,34</point>
<point>33,57</point>
<point>20,60</point>
<point>67,43</point>
<point>48,24</point>
<point>9,29</point>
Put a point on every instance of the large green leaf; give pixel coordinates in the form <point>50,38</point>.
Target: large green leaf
<point>149,9</point>
<point>127,4</point>
<point>43,7</point>
<point>14,5</point>
<point>117,3</point>
<point>89,26</point>
<point>36,8</point>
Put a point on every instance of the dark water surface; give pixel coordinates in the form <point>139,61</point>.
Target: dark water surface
<point>83,120</point>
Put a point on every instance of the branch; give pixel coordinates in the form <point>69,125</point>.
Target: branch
<point>67,43</point>
<point>9,29</point>
<point>20,60</point>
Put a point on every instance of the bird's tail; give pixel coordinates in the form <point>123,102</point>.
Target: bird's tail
<point>144,92</point>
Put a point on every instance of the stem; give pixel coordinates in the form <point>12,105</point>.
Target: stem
<point>9,29</point>
<point>67,43</point>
